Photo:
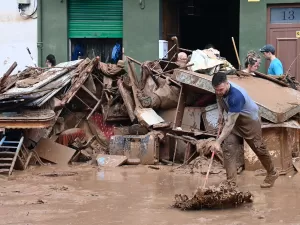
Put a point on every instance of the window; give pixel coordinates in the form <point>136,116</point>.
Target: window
<point>285,15</point>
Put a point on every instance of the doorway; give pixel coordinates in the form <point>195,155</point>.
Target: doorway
<point>197,23</point>
<point>283,32</point>
<point>92,47</point>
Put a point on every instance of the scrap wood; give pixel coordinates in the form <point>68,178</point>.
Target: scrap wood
<point>103,142</point>
<point>270,78</point>
<point>146,116</point>
<point>223,196</point>
<point>202,145</point>
<point>7,73</point>
<point>175,39</point>
<point>189,139</point>
<point>157,73</point>
<point>10,82</point>
<point>54,152</point>
<point>85,68</point>
<point>128,100</point>
<point>241,73</point>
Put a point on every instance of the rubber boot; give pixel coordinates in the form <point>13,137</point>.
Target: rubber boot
<point>270,180</point>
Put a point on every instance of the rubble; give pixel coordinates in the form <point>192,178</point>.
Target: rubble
<point>90,111</point>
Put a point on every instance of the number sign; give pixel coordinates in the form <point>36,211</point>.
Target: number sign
<point>285,15</point>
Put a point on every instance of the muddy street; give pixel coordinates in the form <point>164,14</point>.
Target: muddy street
<point>134,195</point>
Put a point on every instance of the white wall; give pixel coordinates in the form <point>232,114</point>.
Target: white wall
<point>16,33</point>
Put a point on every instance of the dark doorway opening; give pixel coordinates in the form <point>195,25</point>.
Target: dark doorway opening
<point>202,22</point>
<point>92,47</point>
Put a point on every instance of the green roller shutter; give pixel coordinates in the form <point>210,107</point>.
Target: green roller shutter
<point>95,18</point>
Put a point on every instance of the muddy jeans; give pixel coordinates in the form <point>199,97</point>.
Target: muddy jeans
<point>234,143</point>
<point>230,154</point>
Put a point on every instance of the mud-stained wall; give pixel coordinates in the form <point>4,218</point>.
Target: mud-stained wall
<point>17,34</point>
<point>141,29</point>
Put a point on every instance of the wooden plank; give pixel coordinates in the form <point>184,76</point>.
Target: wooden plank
<point>111,160</point>
<point>8,72</point>
<point>54,152</point>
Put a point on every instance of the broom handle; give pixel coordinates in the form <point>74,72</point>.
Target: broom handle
<point>209,167</point>
<point>210,164</point>
<point>236,53</point>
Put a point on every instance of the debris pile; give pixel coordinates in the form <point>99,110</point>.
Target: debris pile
<point>109,114</point>
<point>223,196</point>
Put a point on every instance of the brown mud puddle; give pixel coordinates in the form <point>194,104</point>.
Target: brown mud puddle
<point>135,195</point>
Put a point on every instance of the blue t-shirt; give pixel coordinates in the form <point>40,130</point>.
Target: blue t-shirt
<point>275,67</point>
<point>238,101</point>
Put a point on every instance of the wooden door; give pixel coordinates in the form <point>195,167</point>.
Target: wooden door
<point>282,27</point>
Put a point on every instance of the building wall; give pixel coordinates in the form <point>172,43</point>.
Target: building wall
<point>253,25</point>
<point>53,30</point>
<point>16,35</point>
<point>141,29</point>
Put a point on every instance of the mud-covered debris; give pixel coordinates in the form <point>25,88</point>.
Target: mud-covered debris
<point>39,201</point>
<point>153,167</point>
<point>58,174</point>
<point>213,197</point>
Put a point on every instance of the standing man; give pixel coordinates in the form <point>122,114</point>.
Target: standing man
<point>275,67</point>
<point>243,121</point>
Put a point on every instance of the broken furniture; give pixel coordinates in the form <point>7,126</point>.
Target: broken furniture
<point>280,104</point>
<point>192,133</point>
<point>54,152</point>
<point>78,83</point>
<point>144,148</point>
<point>27,119</point>
<point>146,116</point>
<point>281,141</point>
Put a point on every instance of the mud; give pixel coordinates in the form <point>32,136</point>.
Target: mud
<point>223,196</point>
<point>136,195</point>
<point>200,165</point>
<point>58,174</point>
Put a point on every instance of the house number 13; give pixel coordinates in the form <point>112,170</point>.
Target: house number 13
<point>288,15</point>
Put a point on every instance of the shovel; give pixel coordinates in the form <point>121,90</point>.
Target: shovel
<point>146,116</point>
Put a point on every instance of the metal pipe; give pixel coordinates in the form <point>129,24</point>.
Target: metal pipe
<point>40,36</point>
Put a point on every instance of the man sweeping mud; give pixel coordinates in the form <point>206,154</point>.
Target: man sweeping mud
<point>243,121</point>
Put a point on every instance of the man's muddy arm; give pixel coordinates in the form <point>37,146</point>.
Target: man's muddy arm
<point>221,110</point>
<point>232,117</point>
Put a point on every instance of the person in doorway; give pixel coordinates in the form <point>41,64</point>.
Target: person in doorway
<point>252,62</point>
<point>78,51</point>
<point>243,121</point>
<point>50,61</point>
<point>275,67</point>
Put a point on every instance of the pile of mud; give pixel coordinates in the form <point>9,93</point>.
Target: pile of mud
<point>213,197</point>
